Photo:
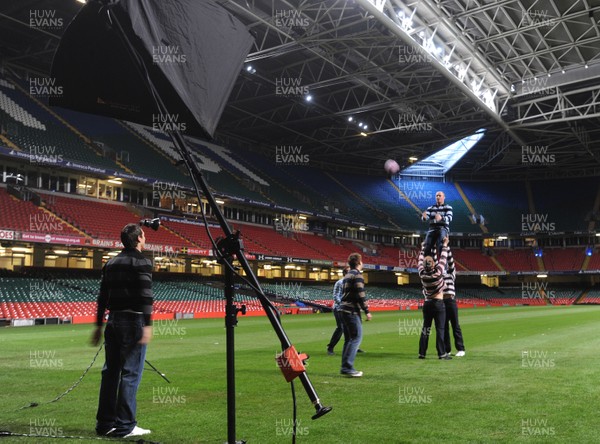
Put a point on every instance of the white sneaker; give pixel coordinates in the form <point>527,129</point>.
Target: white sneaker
<point>460,353</point>
<point>137,431</point>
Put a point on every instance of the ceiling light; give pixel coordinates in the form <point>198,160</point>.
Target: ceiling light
<point>413,158</point>
<point>363,134</point>
<point>61,252</point>
<point>51,256</point>
<point>21,249</point>
<point>350,119</point>
<point>542,276</point>
<point>115,181</point>
<point>362,228</point>
<point>308,98</point>
<point>219,201</point>
<point>302,217</point>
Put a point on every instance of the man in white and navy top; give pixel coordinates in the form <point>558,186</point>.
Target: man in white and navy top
<point>439,217</point>
<point>452,309</point>
<point>432,278</point>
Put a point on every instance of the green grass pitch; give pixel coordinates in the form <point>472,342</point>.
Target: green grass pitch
<point>530,375</point>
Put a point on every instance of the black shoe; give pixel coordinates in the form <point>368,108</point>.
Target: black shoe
<point>446,357</point>
<point>105,432</point>
<point>360,351</point>
<point>330,352</point>
<point>421,356</point>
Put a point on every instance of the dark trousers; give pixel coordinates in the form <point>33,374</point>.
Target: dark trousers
<point>121,374</point>
<point>433,309</point>
<point>338,332</point>
<point>352,338</point>
<point>452,319</point>
<point>434,236</point>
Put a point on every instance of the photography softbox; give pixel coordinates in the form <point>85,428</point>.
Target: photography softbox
<point>193,51</point>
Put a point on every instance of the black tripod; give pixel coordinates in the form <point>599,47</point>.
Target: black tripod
<point>228,248</point>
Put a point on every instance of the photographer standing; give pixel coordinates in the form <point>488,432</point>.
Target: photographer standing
<point>125,290</point>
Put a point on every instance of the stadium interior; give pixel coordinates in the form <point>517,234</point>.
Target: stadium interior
<point>301,181</point>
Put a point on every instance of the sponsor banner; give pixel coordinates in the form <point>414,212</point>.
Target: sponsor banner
<point>197,251</point>
<point>257,202</point>
<point>250,256</point>
<point>52,239</point>
<point>133,177</point>
<point>7,235</point>
<point>107,243</point>
<point>297,260</point>
<point>264,257</point>
<point>187,221</point>
<point>478,273</point>
<point>321,262</point>
<point>158,248</point>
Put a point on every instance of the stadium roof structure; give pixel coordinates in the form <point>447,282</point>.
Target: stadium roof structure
<point>439,163</point>
<point>417,74</point>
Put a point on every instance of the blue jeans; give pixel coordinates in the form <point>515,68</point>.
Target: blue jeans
<point>352,325</point>
<point>121,374</point>
<point>435,236</point>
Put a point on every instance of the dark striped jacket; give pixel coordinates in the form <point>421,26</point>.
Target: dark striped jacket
<point>126,285</point>
<point>433,280</point>
<point>353,294</point>
<point>443,210</point>
<point>450,275</point>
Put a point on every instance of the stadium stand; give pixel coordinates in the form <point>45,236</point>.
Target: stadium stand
<point>138,156</point>
<point>563,259</point>
<point>25,216</point>
<point>566,211</point>
<point>91,216</point>
<point>503,204</point>
<point>517,260</point>
<point>474,260</point>
<point>37,131</point>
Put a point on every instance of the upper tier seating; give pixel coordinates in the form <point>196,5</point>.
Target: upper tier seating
<point>502,204</point>
<point>33,129</point>
<point>140,157</point>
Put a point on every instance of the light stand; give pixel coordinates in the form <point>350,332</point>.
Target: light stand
<point>228,247</point>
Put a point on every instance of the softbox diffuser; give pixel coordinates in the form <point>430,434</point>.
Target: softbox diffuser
<point>194,51</point>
